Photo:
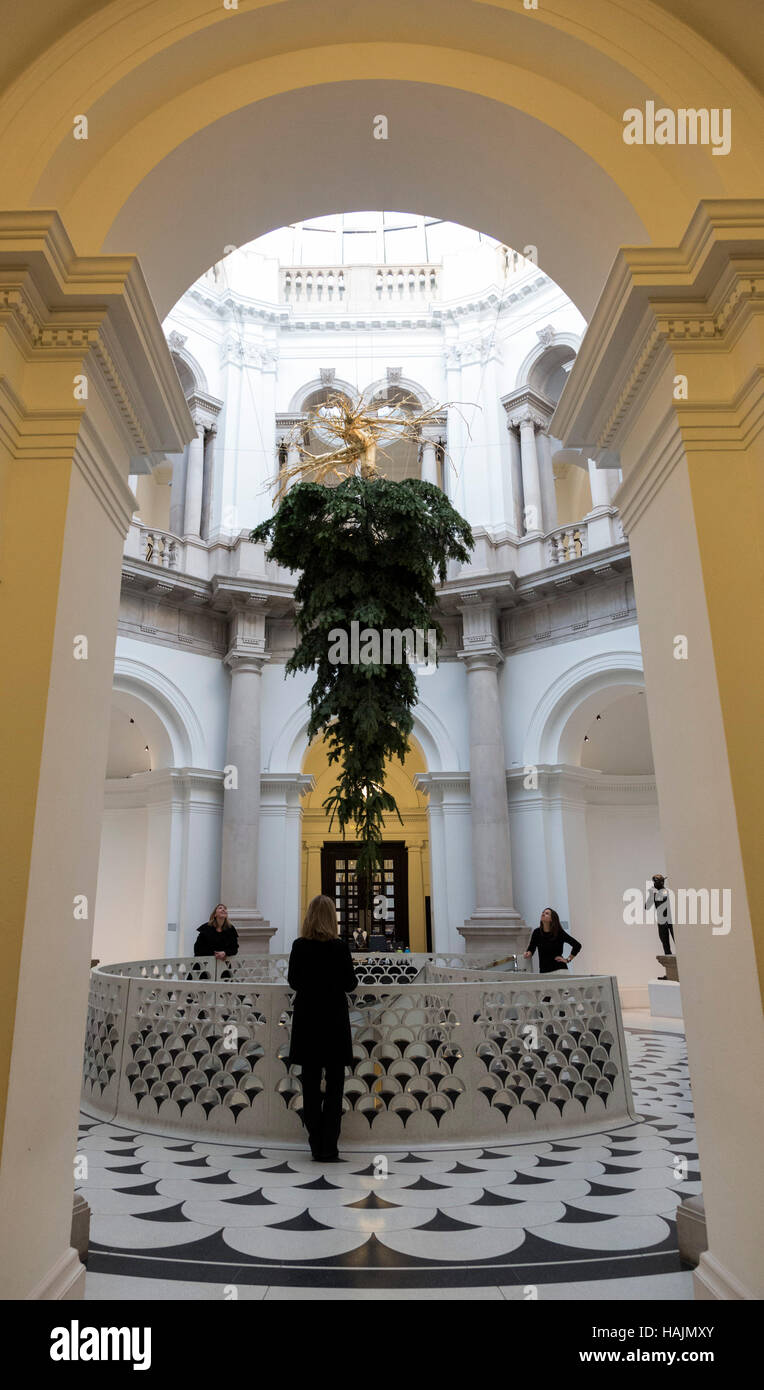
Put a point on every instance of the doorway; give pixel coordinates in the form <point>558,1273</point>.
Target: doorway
<point>376,904</point>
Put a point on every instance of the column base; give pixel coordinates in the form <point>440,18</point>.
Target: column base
<point>253,930</point>
<point>691,1229</point>
<point>499,930</point>
<point>713,1282</point>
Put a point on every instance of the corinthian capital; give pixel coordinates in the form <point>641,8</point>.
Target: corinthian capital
<point>526,415</point>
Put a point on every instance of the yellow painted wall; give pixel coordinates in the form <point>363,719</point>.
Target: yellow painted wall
<point>412,804</point>
<point>33,502</point>
<point>573,493</point>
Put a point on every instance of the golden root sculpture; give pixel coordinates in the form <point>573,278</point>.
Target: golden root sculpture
<point>355,432</point>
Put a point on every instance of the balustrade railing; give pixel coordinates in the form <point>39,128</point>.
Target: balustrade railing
<point>363,286</point>
<point>567,543</point>
<point>159,548</point>
<point>445,1050</point>
<point>396,284</point>
<point>154,547</point>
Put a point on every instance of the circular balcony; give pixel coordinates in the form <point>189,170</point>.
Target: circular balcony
<point>446,1050</point>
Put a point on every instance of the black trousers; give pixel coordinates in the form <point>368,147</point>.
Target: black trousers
<point>322,1113</point>
<point>663,932</point>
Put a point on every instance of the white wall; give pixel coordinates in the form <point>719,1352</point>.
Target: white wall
<point>625,848</point>
<point>131,898</point>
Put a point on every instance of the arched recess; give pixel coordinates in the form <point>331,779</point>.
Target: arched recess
<point>542,361</point>
<point>383,385</point>
<point>290,745</point>
<point>328,857</point>
<point>565,710</point>
<point>192,377</point>
<point>304,392</point>
<point>170,706</point>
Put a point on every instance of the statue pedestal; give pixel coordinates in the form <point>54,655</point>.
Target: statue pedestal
<point>670,966</point>
<point>501,931</point>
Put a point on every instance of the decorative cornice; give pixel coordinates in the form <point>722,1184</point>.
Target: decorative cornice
<point>205,408</point>
<point>526,406</point>
<point>58,303</point>
<point>327,316</point>
<point>661,305</point>
<point>579,784</point>
<point>441,785</point>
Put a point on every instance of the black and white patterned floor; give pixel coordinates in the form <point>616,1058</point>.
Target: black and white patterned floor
<point>173,1219</point>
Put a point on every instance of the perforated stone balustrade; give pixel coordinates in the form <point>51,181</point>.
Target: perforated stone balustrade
<point>446,1048</point>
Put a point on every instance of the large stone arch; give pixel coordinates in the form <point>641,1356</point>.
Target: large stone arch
<point>565,709</point>
<point>168,103</point>
<point>168,703</point>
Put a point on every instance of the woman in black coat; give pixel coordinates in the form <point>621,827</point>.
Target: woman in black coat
<point>321,974</point>
<point>549,939</point>
<point>217,937</point>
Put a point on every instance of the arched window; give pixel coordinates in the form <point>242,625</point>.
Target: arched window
<point>397,458</point>
<point>550,372</point>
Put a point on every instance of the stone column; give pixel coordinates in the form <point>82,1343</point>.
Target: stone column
<point>429,461</point>
<point>192,512</point>
<point>546,473</point>
<point>241,802</point>
<point>601,523</point>
<point>294,457</point>
<point>59,601</point>
<point>417,920</point>
<point>695,313</point>
<point>177,491</point>
<point>495,925</point>
<point>599,482</point>
<point>532,509</point>
<point>208,480</point>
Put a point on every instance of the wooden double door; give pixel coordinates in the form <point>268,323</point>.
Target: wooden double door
<point>372,903</point>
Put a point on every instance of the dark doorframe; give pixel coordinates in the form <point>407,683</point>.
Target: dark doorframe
<point>359,902</point>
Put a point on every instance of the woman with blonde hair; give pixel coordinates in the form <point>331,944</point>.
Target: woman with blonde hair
<point>321,974</point>
<point>217,937</point>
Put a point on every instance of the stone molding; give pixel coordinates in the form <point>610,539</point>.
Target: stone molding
<point>718,265</point>
<point>205,410</point>
<point>526,406</point>
<point>328,316</point>
<point>284,789</point>
<point>444,787</point>
<point>43,284</point>
<point>557,604</point>
<point>64,1281</point>
<point>713,1281</point>
<point>575,785</point>
<point>243,661</point>
<point>167,786</point>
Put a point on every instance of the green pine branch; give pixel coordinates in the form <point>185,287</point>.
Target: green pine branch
<point>370,551</point>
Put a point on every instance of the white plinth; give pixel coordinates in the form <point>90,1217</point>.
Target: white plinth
<point>665,998</point>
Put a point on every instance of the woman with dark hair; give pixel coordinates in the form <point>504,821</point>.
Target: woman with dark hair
<point>321,974</point>
<point>218,936</point>
<point>548,939</point>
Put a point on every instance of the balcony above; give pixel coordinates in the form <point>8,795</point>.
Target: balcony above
<point>192,573</point>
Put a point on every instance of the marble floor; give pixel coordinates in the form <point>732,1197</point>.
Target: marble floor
<point>585,1218</point>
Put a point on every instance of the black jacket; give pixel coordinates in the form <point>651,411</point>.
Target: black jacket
<point>321,973</point>
<point>210,940</point>
<point>548,946</point>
